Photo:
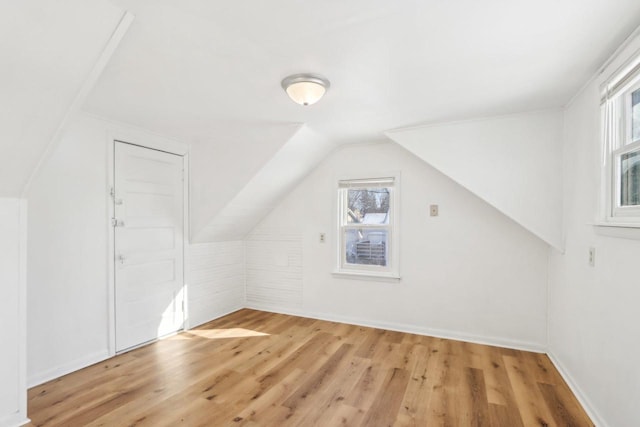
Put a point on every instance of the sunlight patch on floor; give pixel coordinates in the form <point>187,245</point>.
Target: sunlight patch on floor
<point>213,334</point>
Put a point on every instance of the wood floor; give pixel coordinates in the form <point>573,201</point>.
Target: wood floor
<point>261,369</point>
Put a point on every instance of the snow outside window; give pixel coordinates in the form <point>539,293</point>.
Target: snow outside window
<point>368,231</point>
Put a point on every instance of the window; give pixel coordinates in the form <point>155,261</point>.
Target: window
<point>621,138</point>
<point>367,227</point>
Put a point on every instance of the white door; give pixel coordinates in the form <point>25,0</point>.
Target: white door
<point>148,242</point>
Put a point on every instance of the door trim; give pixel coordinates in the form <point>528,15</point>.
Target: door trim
<point>153,142</point>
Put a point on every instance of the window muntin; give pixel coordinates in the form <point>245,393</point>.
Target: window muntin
<point>629,168</point>
<point>367,226</point>
<point>367,230</point>
<point>621,125</point>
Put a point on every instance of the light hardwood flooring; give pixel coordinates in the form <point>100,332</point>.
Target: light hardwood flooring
<point>253,368</point>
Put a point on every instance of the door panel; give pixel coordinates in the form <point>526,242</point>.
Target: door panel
<point>149,239</point>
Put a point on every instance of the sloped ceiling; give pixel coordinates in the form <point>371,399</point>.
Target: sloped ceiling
<point>186,64</point>
<point>47,49</point>
<point>208,72</point>
<point>220,170</point>
<point>201,70</point>
<point>512,162</point>
<point>300,155</point>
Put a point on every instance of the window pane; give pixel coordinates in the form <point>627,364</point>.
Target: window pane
<point>635,115</point>
<point>368,206</point>
<point>630,179</point>
<point>366,246</point>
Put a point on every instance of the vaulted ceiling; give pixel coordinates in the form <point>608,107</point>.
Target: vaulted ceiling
<point>208,74</point>
<point>47,50</point>
<point>185,66</point>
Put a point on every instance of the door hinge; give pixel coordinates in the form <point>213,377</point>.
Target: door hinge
<point>115,222</point>
<point>112,192</point>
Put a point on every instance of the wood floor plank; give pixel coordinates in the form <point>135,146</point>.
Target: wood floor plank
<point>337,387</point>
<point>479,403</point>
<point>564,406</point>
<point>364,392</point>
<point>345,415</point>
<point>385,408</point>
<point>316,380</point>
<point>531,404</point>
<point>500,415</point>
<point>490,361</point>
<point>254,368</point>
<point>370,344</point>
<point>260,409</point>
<point>443,402</point>
<point>541,368</point>
<point>415,405</point>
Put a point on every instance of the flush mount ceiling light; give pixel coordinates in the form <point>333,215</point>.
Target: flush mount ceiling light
<point>305,89</point>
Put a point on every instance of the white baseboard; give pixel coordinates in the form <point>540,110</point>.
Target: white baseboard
<point>577,392</point>
<point>50,374</point>
<point>407,328</point>
<point>67,368</point>
<point>16,419</point>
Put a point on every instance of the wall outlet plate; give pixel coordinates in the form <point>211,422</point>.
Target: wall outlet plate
<point>323,238</point>
<point>433,210</point>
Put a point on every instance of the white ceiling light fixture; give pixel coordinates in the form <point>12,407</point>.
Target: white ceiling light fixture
<point>305,89</point>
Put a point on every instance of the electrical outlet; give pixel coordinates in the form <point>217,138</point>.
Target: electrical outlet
<point>322,238</point>
<point>433,210</point>
<point>592,257</point>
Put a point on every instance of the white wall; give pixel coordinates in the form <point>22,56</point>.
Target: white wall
<point>215,280</point>
<point>593,312</point>
<point>294,160</point>
<point>67,257</point>
<point>68,317</point>
<point>231,154</point>
<point>13,391</point>
<point>469,273</point>
<point>274,265</point>
<point>512,162</point>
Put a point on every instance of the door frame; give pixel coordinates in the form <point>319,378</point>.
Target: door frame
<point>153,142</point>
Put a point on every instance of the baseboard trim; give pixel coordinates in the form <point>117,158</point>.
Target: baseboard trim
<point>67,368</point>
<point>577,392</point>
<point>407,328</point>
<point>24,421</point>
<point>76,365</point>
<point>16,419</point>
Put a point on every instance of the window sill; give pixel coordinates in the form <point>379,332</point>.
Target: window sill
<point>624,230</point>
<point>366,275</point>
<point>618,224</point>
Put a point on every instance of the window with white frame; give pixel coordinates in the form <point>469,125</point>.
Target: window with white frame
<point>368,226</point>
<point>621,139</point>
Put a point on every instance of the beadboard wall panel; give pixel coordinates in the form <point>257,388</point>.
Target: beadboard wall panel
<point>215,279</point>
<point>274,270</point>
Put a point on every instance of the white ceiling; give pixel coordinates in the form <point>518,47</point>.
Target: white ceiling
<point>189,68</point>
<point>47,49</point>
